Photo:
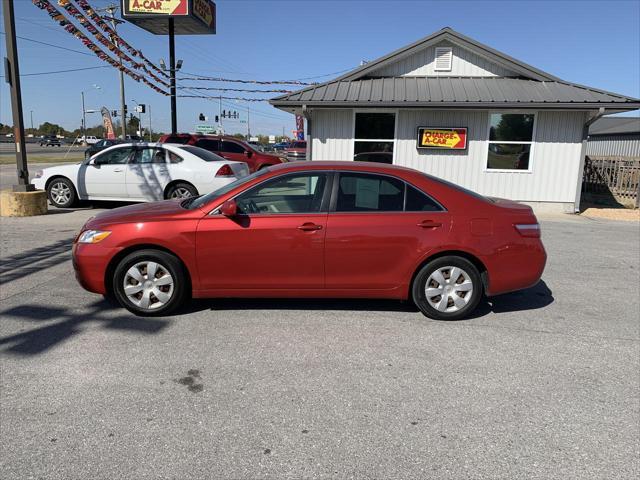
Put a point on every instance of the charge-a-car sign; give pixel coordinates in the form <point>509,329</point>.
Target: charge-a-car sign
<point>159,7</point>
<point>447,138</point>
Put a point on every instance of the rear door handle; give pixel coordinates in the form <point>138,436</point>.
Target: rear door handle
<point>429,224</point>
<point>309,227</point>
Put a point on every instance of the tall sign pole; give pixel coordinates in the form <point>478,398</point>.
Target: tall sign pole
<point>172,74</point>
<point>12,76</point>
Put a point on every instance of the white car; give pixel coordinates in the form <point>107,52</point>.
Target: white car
<point>140,172</point>
<point>90,139</point>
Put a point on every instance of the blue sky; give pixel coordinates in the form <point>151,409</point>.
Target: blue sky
<point>596,43</point>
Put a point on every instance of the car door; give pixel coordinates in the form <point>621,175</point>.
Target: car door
<point>104,176</point>
<point>276,243</point>
<point>236,152</point>
<point>147,174</point>
<point>377,230</point>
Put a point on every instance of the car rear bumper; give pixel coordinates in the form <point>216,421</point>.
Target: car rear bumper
<point>515,268</point>
<point>90,262</point>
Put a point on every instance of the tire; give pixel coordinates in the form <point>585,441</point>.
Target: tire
<point>144,295</point>
<point>62,193</point>
<point>181,190</point>
<point>459,299</point>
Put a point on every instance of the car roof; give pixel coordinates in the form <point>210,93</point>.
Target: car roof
<point>370,167</point>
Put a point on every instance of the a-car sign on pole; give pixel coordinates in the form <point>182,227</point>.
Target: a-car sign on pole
<point>172,17</point>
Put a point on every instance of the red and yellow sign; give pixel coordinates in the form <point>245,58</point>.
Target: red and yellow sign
<point>205,11</point>
<point>447,138</point>
<point>160,7</point>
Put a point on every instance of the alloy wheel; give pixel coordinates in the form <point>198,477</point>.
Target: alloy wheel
<point>148,285</point>
<point>60,193</point>
<point>180,192</point>
<point>449,289</point>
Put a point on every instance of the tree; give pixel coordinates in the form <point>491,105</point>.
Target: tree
<point>52,129</point>
<point>4,129</point>
<point>133,124</point>
<point>239,136</point>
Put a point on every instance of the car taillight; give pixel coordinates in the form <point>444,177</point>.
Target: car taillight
<point>528,229</point>
<point>224,171</point>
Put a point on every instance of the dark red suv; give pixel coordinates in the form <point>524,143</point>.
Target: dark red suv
<point>230,148</point>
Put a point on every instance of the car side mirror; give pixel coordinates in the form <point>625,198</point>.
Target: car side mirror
<point>98,161</point>
<point>248,153</point>
<point>229,208</point>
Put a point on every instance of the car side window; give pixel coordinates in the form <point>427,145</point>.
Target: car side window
<point>174,157</point>
<point>298,193</point>
<point>418,201</point>
<point>231,147</point>
<point>208,144</point>
<point>363,192</point>
<point>149,155</point>
<point>117,156</point>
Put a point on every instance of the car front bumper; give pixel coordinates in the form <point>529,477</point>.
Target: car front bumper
<point>90,262</point>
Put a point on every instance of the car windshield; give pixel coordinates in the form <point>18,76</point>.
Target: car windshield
<point>180,139</point>
<point>201,153</point>
<point>197,202</point>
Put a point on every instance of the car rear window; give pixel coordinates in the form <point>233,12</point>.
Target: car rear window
<point>203,154</point>
<point>179,139</point>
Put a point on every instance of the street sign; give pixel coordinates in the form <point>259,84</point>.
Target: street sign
<point>205,128</point>
<point>272,139</point>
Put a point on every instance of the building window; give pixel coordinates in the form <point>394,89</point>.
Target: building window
<point>510,140</point>
<point>374,137</point>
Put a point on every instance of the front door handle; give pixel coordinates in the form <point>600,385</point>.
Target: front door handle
<point>309,227</point>
<point>429,224</point>
<point>118,170</point>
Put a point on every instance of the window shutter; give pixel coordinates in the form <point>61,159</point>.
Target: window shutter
<point>444,57</point>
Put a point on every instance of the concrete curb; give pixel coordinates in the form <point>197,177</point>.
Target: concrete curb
<point>23,204</point>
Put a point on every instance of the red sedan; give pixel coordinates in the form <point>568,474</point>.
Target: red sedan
<point>315,229</point>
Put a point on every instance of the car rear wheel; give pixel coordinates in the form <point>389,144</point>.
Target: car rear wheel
<point>150,282</point>
<point>62,192</point>
<point>447,288</point>
<point>182,190</point>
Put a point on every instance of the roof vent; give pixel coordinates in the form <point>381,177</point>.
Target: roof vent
<point>444,56</point>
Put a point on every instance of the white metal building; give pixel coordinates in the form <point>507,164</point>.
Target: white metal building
<point>454,108</point>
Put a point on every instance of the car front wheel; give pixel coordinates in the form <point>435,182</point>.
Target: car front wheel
<point>447,288</point>
<point>62,192</point>
<point>150,282</point>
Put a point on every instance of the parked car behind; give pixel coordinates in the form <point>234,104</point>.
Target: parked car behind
<point>227,147</point>
<point>140,172</point>
<point>296,151</point>
<point>99,146</point>
<point>90,139</point>
<point>50,141</point>
<point>316,229</point>
<point>280,146</point>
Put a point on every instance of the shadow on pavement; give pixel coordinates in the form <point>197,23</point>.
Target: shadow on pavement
<point>67,324</point>
<point>532,298</point>
<point>34,260</point>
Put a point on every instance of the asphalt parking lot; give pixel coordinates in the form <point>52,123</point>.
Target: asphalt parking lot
<point>540,384</point>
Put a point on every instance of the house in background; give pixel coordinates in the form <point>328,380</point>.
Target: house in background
<point>615,137</point>
<point>452,107</point>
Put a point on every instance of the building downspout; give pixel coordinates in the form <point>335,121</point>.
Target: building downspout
<point>583,154</point>
<point>306,113</point>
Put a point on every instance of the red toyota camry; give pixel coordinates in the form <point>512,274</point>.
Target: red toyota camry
<point>315,229</point>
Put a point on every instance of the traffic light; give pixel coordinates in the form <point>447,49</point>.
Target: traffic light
<point>114,113</point>
<point>217,119</point>
<point>125,111</point>
<point>201,117</point>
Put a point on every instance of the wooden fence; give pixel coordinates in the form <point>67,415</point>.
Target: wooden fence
<point>615,176</point>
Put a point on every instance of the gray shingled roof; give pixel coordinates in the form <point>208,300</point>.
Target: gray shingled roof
<point>615,126</point>
<point>454,92</point>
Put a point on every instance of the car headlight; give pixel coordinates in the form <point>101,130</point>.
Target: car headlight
<point>38,174</point>
<point>93,236</point>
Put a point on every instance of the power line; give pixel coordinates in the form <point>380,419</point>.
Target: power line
<point>60,71</point>
<point>51,45</point>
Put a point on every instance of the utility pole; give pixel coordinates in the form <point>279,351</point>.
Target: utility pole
<point>84,120</point>
<point>149,122</point>
<point>248,126</point>
<point>32,122</point>
<point>172,78</point>
<point>13,79</point>
<point>220,114</point>
<point>111,10</point>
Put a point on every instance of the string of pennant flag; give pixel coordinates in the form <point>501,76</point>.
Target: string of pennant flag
<point>84,5</point>
<point>132,62</point>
